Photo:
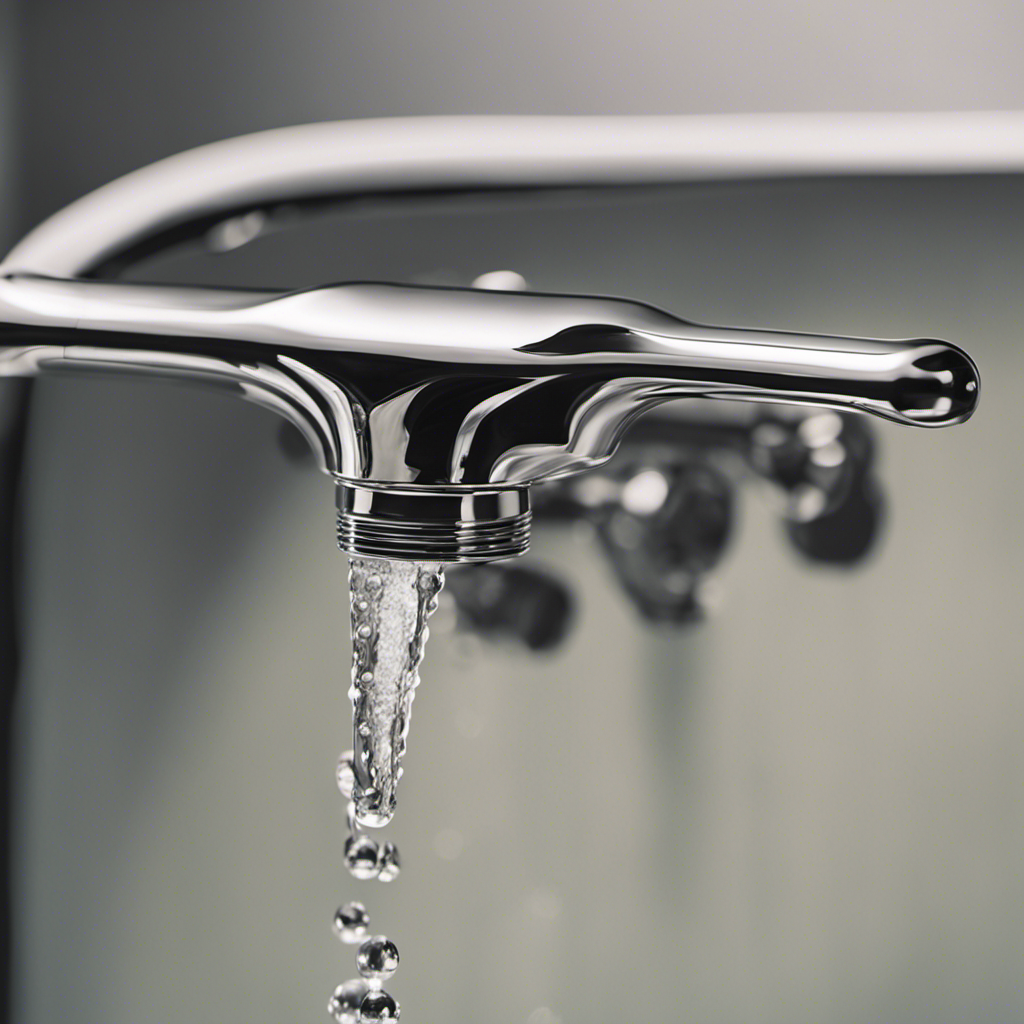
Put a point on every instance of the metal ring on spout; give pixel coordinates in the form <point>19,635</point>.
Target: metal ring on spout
<point>433,524</point>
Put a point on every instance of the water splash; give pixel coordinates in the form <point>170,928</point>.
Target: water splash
<point>391,602</point>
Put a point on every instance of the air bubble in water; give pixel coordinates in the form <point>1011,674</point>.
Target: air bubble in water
<point>377,959</point>
<point>351,922</point>
<point>346,1001</point>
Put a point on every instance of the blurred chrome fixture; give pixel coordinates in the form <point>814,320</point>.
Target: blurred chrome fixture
<point>663,507</point>
<point>663,517</point>
<point>435,409</point>
<point>511,602</point>
<point>822,468</point>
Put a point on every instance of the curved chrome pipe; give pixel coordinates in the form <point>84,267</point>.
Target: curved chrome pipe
<point>289,171</point>
<point>435,408</point>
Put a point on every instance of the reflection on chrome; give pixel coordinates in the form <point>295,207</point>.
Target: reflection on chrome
<point>663,510</point>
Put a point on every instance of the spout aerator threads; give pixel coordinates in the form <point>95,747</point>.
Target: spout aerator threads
<point>433,524</point>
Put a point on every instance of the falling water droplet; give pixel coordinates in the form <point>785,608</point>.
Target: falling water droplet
<point>345,774</point>
<point>390,863</point>
<point>351,922</point>
<point>346,1001</point>
<point>378,1006</point>
<point>361,855</point>
<point>377,959</point>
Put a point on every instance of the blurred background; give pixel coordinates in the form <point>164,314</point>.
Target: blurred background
<point>806,807</point>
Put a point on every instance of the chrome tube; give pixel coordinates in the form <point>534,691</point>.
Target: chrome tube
<point>230,191</point>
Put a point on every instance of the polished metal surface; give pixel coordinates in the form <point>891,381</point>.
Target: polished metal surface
<point>428,388</point>
<point>231,191</point>
<point>664,510</point>
<point>449,524</point>
<point>423,388</point>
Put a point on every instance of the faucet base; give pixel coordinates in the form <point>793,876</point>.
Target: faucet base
<point>414,523</point>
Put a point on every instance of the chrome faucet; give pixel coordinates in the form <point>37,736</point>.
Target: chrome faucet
<point>435,409</point>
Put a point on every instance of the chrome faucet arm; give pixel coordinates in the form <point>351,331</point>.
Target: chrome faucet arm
<point>401,387</point>
<point>434,407</point>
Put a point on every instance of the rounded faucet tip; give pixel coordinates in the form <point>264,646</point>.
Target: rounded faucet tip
<point>941,388</point>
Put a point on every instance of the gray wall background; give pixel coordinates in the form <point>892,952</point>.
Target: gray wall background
<point>107,87</point>
<point>808,810</point>
<point>9,52</point>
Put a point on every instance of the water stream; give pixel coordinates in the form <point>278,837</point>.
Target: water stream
<point>391,602</point>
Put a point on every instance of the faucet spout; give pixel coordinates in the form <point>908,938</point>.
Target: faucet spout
<point>916,382</point>
<point>436,408</point>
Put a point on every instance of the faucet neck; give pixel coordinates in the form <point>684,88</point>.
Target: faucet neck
<point>433,524</point>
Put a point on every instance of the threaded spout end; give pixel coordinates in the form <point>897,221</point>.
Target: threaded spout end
<point>433,524</point>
